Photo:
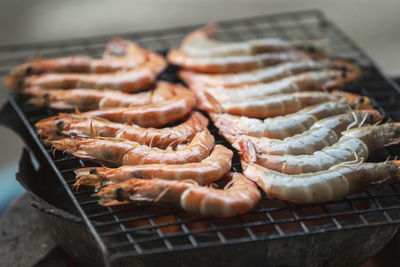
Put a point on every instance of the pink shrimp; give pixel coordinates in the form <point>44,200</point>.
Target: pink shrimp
<point>239,196</point>
<point>233,63</point>
<point>89,99</point>
<point>336,182</point>
<point>152,115</point>
<point>119,55</point>
<point>118,152</point>
<point>274,105</point>
<point>201,44</point>
<point>57,127</point>
<point>208,170</point>
<point>129,81</point>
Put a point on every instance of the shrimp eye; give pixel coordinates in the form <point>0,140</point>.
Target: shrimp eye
<point>60,124</point>
<point>20,82</point>
<point>28,70</point>
<point>65,153</point>
<point>311,49</point>
<point>121,194</point>
<point>360,100</point>
<point>56,118</point>
<point>46,95</point>
<point>73,134</point>
<point>92,170</point>
<point>344,72</point>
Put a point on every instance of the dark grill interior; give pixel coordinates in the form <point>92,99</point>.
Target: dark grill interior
<point>137,229</point>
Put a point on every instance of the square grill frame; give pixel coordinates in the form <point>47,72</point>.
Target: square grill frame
<point>136,230</point>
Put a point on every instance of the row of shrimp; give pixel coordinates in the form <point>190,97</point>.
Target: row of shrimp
<point>279,104</point>
<point>151,144</point>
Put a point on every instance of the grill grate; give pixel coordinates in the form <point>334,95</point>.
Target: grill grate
<point>136,229</point>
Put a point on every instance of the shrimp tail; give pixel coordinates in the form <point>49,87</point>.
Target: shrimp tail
<point>247,151</point>
<point>205,32</point>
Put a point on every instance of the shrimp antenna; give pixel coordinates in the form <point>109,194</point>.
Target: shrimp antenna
<point>355,122</point>
<point>151,94</point>
<point>77,111</point>
<point>92,133</point>
<point>158,198</point>
<point>363,120</point>
<point>378,122</point>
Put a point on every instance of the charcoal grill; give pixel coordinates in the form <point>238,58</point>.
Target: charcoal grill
<point>276,233</point>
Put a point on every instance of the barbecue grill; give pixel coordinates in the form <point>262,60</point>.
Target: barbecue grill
<point>276,233</point>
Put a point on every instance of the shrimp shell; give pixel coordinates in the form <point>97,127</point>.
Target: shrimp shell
<point>118,152</point>
<point>279,127</point>
<point>232,63</point>
<point>314,139</point>
<point>208,170</point>
<point>274,105</point>
<point>89,99</point>
<point>309,81</point>
<point>336,182</point>
<point>200,44</point>
<point>119,55</point>
<point>152,115</point>
<point>239,198</point>
<point>345,150</point>
<point>129,81</point>
<point>62,125</point>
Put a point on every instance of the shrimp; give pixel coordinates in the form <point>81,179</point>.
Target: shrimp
<point>201,44</point>
<point>128,81</point>
<point>272,106</point>
<point>62,125</point>
<point>354,144</point>
<point>232,63</point>
<point>118,152</point>
<point>269,74</point>
<point>336,182</point>
<point>325,133</point>
<point>119,55</point>
<point>89,99</point>
<point>152,115</point>
<point>279,127</point>
<point>239,196</point>
<point>309,81</point>
<point>208,170</point>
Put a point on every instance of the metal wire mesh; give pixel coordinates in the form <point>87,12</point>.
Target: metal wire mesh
<point>137,229</point>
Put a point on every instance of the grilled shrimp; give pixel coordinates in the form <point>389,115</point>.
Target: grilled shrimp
<point>119,152</point>
<point>354,144</point>
<point>239,196</point>
<point>279,127</point>
<point>274,105</point>
<point>89,99</point>
<point>232,63</point>
<point>152,115</point>
<point>336,182</point>
<point>62,125</point>
<point>129,81</point>
<point>201,44</point>
<point>271,73</point>
<point>325,133</point>
<point>119,55</point>
<point>309,81</point>
<point>208,170</point>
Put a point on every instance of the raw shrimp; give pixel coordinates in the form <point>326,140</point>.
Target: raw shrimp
<point>129,81</point>
<point>325,133</point>
<point>62,125</point>
<point>119,152</point>
<point>336,182</point>
<point>239,196</point>
<point>208,170</point>
<point>354,144</point>
<point>119,55</point>
<point>279,127</point>
<point>232,63</point>
<point>274,105</point>
<point>268,74</point>
<point>201,44</point>
<point>309,81</point>
<point>152,115</point>
<point>89,99</point>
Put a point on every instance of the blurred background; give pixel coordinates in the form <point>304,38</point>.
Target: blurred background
<point>374,25</point>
